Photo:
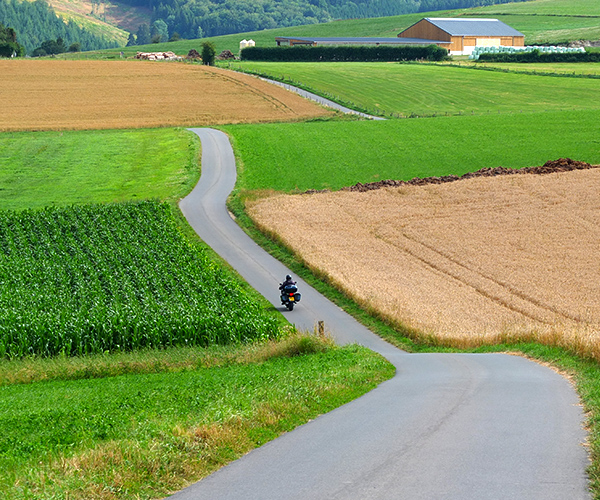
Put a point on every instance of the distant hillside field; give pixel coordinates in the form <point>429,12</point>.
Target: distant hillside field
<point>113,15</point>
<point>547,8</point>
<point>542,21</point>
<point>552,29</point>
<point>109,20</point>
<point>383,26</point>
<point>212,17</point>
<point>53,95</point>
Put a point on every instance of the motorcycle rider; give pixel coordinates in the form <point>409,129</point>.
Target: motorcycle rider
<point>289,293</point>
<point>288,281</point>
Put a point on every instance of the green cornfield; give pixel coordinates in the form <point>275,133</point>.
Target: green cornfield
<point>104,278</point>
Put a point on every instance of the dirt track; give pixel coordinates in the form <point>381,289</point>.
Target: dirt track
<point>491,258</point>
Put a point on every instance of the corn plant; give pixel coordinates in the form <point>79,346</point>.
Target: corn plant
<point>99,278</point>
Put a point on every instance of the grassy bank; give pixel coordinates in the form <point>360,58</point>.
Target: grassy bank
<point>331,155</point>
<point>39,169</point>
<point>577,70</point>
<point>150,433</point>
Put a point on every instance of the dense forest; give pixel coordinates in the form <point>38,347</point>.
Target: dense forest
<point>36,23</point>
<point>195,18</point>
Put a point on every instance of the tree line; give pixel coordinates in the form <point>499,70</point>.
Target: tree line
<point>36,26</point>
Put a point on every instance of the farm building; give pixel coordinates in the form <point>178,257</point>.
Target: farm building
<point>313,42</point>
<point>463,35</point>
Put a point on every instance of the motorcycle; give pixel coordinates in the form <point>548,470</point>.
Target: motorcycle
<point>290,296</point>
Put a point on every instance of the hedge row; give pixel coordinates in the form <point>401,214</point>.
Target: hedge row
<point>344,53</point>
<point>537,56</point>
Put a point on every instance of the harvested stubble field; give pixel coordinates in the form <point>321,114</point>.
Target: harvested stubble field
<point>58,95</point>
<point>482,260</point>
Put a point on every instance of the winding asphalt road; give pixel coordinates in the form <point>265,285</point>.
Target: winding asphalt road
<point>447,426</point>
<point>320,100</point>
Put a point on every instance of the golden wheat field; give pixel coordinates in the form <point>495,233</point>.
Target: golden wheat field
<point>55,95</point>
<point>470,262</point>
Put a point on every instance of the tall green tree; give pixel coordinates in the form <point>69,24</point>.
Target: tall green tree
<point>9,47</point>
<point>131,40</point>
<point>50,47</point>
<point>159,32</point>
<point>143,35</point>
<point>208,53</point>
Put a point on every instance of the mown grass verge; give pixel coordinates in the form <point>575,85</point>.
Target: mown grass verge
<point>563,70</point>
<point>183,414</point>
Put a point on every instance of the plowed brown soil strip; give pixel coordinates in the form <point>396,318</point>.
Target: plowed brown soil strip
<point>480,260</point>
<point>54,95</point>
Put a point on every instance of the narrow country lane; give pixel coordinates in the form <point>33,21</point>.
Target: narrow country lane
<point>447,426</point>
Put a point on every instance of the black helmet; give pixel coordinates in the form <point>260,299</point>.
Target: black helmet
<point>288,277</point>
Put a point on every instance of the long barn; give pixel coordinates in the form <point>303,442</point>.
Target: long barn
<point>336,41</point>
<point>463,35</point>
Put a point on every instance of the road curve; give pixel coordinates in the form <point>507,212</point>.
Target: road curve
<point>447,426</point>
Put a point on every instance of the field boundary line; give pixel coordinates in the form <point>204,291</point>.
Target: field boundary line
<point>521,295</point>
<point>490,294</point>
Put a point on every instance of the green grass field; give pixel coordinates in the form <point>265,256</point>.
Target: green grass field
<point>142,423</point>
<point>546,7</point>
<point>109,437</point>
<point>418,89</point>
<point>149,434</point>
<point>40,169</point>
<point>319,155</point>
